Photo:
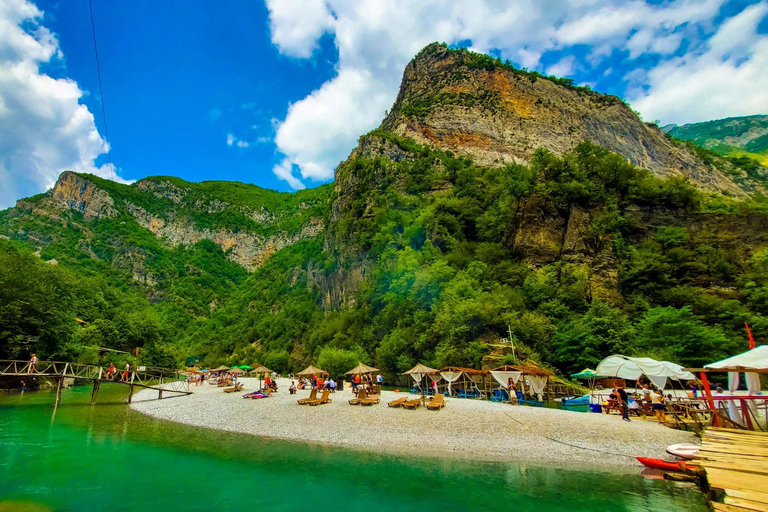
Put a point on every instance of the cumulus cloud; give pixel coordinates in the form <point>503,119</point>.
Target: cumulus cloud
<point>375,39</point>
<point>728,78</point>
<point>284,171</point>
<point>44,129</point>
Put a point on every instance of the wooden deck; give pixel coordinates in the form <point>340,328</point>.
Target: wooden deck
<point>736,463</point>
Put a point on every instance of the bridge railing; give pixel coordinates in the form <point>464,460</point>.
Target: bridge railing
<point>168,379</point>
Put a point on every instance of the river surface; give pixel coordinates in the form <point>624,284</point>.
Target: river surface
<point>109,457</point>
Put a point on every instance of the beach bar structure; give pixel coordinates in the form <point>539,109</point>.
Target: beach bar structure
<point>740,411</point>
<point>632,368</point>
<point>463,382</point>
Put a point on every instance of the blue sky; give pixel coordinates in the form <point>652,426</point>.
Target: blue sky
<point>277,93</point>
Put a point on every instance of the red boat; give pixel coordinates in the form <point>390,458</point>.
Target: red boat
<point>663,464</point>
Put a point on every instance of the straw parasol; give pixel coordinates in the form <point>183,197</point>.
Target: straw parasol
<point>311,370</point>
<point>261,370</point>
<point>421,371</point>
<point>361,369</point>
<point>220,368</point>
<point>235,369</point>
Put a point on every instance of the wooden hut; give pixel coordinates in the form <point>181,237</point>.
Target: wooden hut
<point>464,382</point>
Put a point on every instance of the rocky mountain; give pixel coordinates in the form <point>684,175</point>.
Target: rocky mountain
<point>490,200</point>
<point>476,106</point>
<point>734,136</point>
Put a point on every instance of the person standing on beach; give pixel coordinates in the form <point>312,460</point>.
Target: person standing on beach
<point>32,363</point>
<point>380,379</point>
<point>624,400</point>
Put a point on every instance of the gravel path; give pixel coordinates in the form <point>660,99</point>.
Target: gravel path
<point>480,430</point>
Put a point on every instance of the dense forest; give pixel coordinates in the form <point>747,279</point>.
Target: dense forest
<point>446,274</point>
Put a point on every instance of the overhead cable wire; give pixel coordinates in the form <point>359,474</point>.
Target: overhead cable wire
<point>101,93</point>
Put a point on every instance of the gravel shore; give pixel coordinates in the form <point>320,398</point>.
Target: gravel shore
<point>473,429</point>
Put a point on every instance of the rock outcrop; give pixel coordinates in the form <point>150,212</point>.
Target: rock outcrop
<point>77,193</point>
<point>473,106</point>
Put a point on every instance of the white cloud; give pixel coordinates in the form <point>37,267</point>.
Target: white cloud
<point>284,171</point>
<point>230,139</point>
<point>728,78</point>
<point>44,129</point>
<point>563,67</point>
<point>375,39</point>
<point>243,144</point>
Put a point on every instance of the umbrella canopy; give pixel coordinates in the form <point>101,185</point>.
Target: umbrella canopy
<point>362,368</point>
<point>261,369</point>
<point>311,370</point>
<point>235,370</point>
<point>755,360</point>
<point>220,368</point>
<point>586,373</point>
<point>245,367</point>
<point>421,369</point>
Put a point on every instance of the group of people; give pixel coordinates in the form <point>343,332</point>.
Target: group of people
<point>112,372</point>
<point>653,396</point>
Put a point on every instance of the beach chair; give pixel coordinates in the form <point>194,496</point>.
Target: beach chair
<point>325,399</point>
<point>411,404</point>
<point>370,400</point>
<point>473,393</point>
<point>437,403</point>
<point>398,403</point>
<point>499,395</point>
<point>361,395</point>
<point>312,396</point>
<point>235,388</point>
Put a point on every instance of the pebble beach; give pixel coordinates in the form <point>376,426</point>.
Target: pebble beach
<point>471,429</point>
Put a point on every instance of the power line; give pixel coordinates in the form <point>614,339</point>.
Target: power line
<point>101,92</point>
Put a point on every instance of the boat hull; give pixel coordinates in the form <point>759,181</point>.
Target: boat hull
<point>663,464</point>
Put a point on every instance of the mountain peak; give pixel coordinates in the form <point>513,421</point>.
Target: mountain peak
<point>480,107</point>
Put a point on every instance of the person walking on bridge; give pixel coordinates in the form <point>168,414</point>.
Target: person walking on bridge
<point>111,371</point>
<point>32,363</point>
<point>124,378</point>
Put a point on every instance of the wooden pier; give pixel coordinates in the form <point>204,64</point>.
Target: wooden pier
<point>736,464</point>
<point>160,379</point>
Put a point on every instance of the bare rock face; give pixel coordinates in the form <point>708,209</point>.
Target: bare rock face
<point>248,249</point>
<point>497,115</point>
<point>79,194</point>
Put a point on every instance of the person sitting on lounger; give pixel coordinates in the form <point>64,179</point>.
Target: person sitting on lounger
<point>292,388</point>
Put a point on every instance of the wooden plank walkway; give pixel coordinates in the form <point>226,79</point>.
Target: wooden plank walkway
<point>160,379</point>
<point>736,463</point>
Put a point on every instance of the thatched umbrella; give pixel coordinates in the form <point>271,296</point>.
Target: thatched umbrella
<point>311,370</point>
<point>421,370</point>
<point>361,369</point>
<point>261,370</point>
<point>220,368</point>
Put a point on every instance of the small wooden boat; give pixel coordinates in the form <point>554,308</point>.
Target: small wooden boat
<point>684,450</point>
<point>663,464</point>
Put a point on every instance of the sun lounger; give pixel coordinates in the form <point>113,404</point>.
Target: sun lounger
<point>325,399</point>
<point>436,403</point>
<point>312,396</point>
<point>499,395</point>
<point>411,404</point>
<point>398,403</point>
<point>361,395</point>
<point>233,389</point>
<point>370,400</point>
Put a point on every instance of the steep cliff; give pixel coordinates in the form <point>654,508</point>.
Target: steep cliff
<point>475,106</point>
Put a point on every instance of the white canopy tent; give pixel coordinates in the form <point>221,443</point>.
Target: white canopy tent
<point>631,368</point>
<point>752,363</point>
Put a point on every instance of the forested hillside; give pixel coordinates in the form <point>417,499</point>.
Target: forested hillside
<point>417,252</point>
<point>733,137</point>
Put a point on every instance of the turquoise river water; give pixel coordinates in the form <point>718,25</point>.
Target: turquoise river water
<point>108,457</point>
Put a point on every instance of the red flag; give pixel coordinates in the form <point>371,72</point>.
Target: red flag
<point>751,339</point>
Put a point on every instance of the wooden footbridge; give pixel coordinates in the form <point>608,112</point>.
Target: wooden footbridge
<point>166,382</point>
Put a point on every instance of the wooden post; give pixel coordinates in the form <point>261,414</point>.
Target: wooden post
<point>59,383</point>
<point>159,394</point>
<point>94,394</point>
<point>130,389</point>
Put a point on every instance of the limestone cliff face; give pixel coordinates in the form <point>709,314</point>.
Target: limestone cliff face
<point>496,115</point>
<point>79,194</point>
<point>248,249</point>
<point>243,246</point>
